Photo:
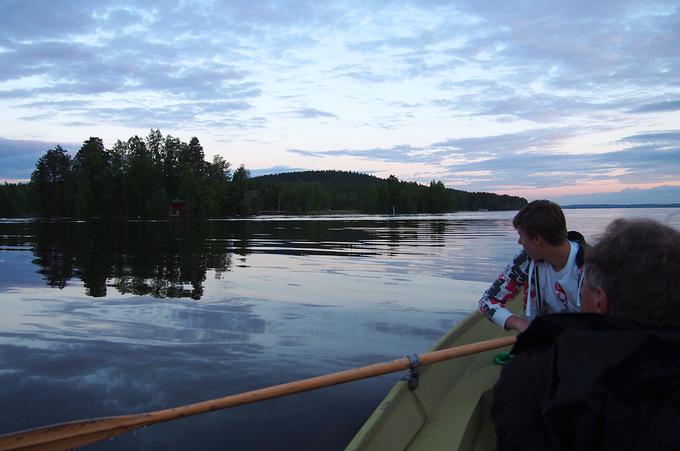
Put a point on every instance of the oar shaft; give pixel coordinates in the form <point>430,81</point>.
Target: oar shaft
<point>79,433</point>
<point>341,377</point>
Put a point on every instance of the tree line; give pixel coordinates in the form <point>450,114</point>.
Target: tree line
<point>137,178</point>
<point>158,175</point>
<point>319,191</point>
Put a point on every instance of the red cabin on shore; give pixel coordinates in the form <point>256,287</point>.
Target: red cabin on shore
<point>177,208</point>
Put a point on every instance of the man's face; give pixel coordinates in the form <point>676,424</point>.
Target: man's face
<point>532,246</point>
<point>591,298</point>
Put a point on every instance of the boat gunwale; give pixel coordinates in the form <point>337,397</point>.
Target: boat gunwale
<point>400,394</point>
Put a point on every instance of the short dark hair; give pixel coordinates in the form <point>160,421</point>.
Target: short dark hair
<point>637,264</point>
<point>544,218</point>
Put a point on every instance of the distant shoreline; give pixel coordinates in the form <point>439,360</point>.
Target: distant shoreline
<point>584,206</point>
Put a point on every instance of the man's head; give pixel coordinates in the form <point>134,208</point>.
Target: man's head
<point>540,222</point>
<point>633,272</point>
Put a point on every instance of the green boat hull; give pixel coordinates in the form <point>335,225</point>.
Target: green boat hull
<point>450,409</point>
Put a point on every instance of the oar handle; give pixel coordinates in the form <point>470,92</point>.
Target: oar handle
<point>83,432</point>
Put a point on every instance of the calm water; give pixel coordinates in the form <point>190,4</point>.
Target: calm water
<point>100,319</point>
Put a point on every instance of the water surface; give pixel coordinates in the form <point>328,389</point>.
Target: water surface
<point>100,319</point>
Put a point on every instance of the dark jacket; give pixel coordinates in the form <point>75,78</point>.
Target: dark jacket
<point>590,382</point>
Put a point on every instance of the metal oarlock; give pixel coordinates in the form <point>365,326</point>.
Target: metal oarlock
<point>414,371</point>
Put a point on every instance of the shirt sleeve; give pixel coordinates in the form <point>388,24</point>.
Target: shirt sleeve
<point>504,288</point>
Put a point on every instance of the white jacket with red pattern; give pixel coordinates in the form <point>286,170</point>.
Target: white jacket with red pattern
<point>522,273</point>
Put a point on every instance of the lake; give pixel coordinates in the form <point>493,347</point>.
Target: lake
<point>100,319</point>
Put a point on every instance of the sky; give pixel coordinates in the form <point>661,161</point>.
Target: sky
<point>556,99</point>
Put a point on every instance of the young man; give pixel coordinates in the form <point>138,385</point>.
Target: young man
<point>549,268</point>
<point>608,378</point>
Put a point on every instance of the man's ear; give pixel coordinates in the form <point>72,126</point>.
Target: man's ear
<point>601,301</point>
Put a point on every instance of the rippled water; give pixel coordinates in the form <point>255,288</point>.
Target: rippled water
<point>100,319</point>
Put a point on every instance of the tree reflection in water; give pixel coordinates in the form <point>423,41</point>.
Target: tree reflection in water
<point>171,259</point>
<point>160,259</point>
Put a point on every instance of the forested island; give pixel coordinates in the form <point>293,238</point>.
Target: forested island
<point>160,176</point>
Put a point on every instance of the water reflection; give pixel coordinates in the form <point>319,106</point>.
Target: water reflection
<point>162,259</point>
<point>173,259</point>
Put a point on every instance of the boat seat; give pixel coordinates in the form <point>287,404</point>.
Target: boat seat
<point>462,420</point>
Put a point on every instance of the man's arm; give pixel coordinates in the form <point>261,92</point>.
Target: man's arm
<point>503,289</point>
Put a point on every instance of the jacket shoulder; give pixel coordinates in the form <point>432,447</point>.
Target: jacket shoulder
<point>583,246</point>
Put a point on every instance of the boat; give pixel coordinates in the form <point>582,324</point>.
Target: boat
<point>450,408</point>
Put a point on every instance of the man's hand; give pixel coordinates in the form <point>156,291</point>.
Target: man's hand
<point>516,323</point>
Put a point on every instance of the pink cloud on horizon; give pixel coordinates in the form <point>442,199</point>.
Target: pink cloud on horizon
<point>581,189</point>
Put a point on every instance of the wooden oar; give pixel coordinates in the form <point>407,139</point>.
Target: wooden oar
<point>83,432</point>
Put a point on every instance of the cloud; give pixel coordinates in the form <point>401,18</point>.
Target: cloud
<point>81,69</point>
<point>203,113</point>
<point>611,43</point>
<point>539,108</point>
<point>360,73</point>
<point>657,160</point>
<point>392,154</point>
<point>118,64</point>
<point>658,195</point>
<point>668,105</point>
<point>670,138</point>
<point>311,113</point>
<point>32,19</point>
<point>18,157</point>
<point>531,158</point>
<point>463,149</point>
<point>221,113</point>
<point>523,78</point>
<point>275,170</point>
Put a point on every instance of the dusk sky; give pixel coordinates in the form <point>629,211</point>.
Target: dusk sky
<point>539,99</point>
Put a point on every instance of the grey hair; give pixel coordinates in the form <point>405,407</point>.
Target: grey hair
<point>637,264</point>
